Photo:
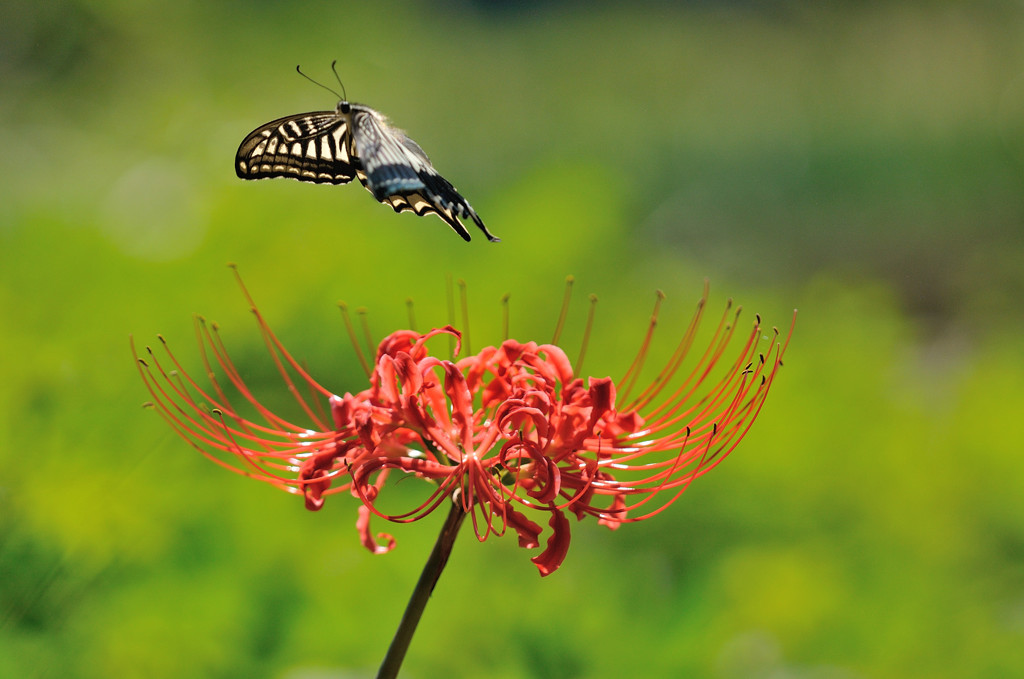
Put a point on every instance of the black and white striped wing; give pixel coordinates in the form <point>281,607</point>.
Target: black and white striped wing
<point>398,173</point>
<point>311,147</point>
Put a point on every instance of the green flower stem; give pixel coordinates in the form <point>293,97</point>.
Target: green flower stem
<point>421,594</point>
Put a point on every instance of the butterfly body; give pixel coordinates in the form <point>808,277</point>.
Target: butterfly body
<point>355,141</point>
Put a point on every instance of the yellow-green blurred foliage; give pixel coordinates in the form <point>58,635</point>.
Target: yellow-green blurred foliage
<point>860,161</point>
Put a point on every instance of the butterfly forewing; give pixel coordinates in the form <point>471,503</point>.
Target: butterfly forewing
<point>312,147</point>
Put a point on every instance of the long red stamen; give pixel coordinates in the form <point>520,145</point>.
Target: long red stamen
<point>633,372</point>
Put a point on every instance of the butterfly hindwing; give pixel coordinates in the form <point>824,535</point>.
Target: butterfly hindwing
<point>312,147</point>
<point>399,173</point>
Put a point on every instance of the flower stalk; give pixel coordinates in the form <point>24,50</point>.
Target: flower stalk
<point>421,593</point>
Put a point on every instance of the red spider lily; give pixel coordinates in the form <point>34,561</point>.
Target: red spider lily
<point>507,431</point>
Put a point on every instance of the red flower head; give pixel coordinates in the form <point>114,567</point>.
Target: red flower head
<point>509,432</point>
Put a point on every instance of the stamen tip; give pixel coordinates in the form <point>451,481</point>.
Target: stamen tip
<point>149,404</point>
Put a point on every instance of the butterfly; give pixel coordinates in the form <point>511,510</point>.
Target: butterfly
<point>332,147</point>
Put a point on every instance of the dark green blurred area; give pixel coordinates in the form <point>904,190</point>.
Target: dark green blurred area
<point>861,161</point>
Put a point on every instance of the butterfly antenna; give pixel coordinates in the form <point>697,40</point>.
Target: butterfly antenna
<point>338,78</point>
<point>299,70</point>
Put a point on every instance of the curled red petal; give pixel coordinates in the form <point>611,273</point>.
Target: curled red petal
<point>614,515</point>
<point>408,374</point>
<point>341,411</point>
<point>367,538</point>
<point>511,350</point>
<point>527,530</point>
<point>461,401</point>
<point>556,360</point>
<point>624,423</point>
<point>549,481</point>
<point>419,350</point>
<point>314,499</point>
<point>602,397</point>
<point>548,561</point>
<point>476,367</point>
<point>315,476</point>
<point>515,414</point>
<point>396,342</point>
<point>384,387</point>
<point>495,393</point>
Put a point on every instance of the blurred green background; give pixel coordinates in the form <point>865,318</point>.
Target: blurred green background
<point>862,161</point>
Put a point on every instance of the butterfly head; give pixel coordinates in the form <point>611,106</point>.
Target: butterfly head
<point>344,108</point>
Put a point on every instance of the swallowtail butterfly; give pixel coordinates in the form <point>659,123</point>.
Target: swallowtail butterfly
<point>332,147</point>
